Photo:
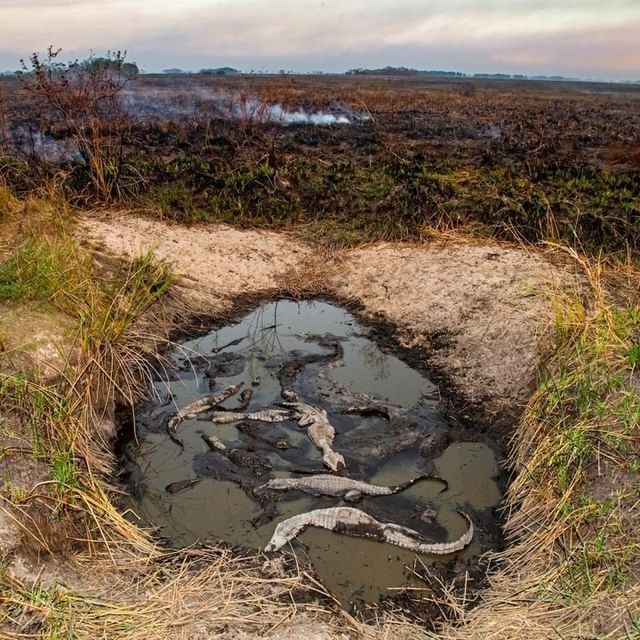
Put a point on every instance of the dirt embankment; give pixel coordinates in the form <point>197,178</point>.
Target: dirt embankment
<point>476,309</point>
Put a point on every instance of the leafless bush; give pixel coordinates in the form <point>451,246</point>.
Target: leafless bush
<point>81,101</point>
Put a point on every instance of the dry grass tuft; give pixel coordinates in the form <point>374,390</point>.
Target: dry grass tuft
<point>573,569</point>
<point>312,275</point>
<point>189,594</point>
<point>121,324</point>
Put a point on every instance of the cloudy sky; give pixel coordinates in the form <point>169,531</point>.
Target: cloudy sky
<point>586,38</point>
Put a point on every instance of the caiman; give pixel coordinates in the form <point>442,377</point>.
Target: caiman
<point>320,431</point>
<point>355,522</point>
<point>329,485</point>
<point>268,415</point>
<point>193,409</point>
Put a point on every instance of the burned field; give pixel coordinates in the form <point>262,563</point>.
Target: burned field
<point>354,159</point>
<point>412,380</point>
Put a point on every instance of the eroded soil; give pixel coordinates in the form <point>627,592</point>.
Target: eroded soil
<point>472,314</point>
<point>477,310</point>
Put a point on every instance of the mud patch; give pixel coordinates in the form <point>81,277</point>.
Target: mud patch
<point>478,310</point>
<point>390,428</point>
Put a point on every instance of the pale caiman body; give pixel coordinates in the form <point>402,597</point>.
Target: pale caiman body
<point>268,415</point>
<point>199,406</point>
<point>355,522</point>
<point>321,432</point>
<point>329,485</point>
<point>319,429</point>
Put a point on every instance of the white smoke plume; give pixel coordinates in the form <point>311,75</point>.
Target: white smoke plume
<point>32,143</point>
<point>277,113</point>
<point>201,103</point>
<point>180,104</point>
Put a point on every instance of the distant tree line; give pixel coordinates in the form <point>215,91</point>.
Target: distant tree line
<point>214,71</point>
<point>127,69</point>
<point>114,63</point>
<point>406,71</point>
<point>131,70</point>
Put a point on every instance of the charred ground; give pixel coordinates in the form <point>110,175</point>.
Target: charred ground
<point>530,161</point>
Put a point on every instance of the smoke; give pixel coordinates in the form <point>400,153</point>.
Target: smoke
<point>201,103</point>
<point>182,104</point>
<point>32,143</point>
<point>166,104</point>
<point>277,113</point>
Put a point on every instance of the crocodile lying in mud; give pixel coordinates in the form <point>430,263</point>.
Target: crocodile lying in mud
<point>268,415</point>
<point>336,486</point>
<point>199,406</point>
<point>354,522</point>
<point>321,432</point>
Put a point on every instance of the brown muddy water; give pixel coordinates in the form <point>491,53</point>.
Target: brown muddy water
<point>321,352</point>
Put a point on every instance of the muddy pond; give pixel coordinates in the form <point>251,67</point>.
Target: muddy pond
<point>390,429</point>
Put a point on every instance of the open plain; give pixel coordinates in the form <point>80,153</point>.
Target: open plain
<point>484,232</point>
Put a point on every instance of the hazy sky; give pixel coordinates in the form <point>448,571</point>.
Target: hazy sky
<point>587,38</point>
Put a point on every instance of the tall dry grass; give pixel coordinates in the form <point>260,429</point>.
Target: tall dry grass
<point>572,567</point>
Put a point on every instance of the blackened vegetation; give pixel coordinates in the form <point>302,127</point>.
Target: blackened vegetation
<point>70,114</point>
<point>534,163</point>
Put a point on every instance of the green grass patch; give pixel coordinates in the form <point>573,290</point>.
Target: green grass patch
<point>48,270</point>
<point>106,309</point>
<point>585,403</point>
<point>350,198</point>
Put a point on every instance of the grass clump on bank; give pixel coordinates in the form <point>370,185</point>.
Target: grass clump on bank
<point>64,422</point>
<point>573,567</point>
